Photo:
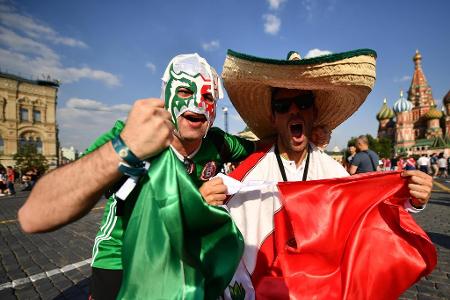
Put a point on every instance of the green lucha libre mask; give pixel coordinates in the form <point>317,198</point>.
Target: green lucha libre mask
<point>191,72</point>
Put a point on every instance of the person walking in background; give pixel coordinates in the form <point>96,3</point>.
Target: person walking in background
<point>365,160</point>
<point>394,161</point>
<point>410,163</point>
<point>400,164</point>
<point>424,163</point>
<point>351,151</point>
<point>434,165</point>
<point>10,180</point>
<point>387,164</point>
<point>442,164</point>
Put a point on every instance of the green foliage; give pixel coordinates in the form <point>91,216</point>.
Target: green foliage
<point>383,146</point>
<point>28,158</point>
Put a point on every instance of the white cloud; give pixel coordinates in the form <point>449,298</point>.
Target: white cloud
<point>81,121</point>
<point>33,28</point>
<point>25,50</point>
<point>275,4</point>
<point>272,24</point>
<point>403,79</point>
<point>151,67</point>
<point>88,104</point>
<point>211,46</point>
<point>317,52</point>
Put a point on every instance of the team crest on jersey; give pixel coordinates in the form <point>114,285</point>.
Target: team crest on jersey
<point>209,170</point>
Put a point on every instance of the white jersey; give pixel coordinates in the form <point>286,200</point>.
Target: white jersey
<point>253,211</point>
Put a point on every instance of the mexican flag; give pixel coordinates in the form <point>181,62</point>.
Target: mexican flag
<point>343,238</point>
<point>175,246</point>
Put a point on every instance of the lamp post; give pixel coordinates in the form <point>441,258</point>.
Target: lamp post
<point>225,117</point>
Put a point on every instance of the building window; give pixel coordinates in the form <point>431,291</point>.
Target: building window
<point>37,116</point>
<point>23,114</point>
<point>22,142</point>
<point>2,145</point>
<point>38,145</point>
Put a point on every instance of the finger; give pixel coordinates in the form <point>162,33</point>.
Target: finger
<point>418,188</point>
<point>155,102</point>
<point>217,202</point>
<point>216,197</point>
<point>419,197</point>
<point>219,189</point>
<point>417,177</point>
<point>216,181</point>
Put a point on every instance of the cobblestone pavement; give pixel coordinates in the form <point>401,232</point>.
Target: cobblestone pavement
<point>56,265</point>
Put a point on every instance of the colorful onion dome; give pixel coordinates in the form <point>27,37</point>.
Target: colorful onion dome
<point>447,98</point>
<point>402,105</point>
<point>433,113</point>
<point>385,112</point>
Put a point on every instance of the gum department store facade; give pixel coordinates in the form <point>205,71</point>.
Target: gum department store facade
<point>416,125</point>
<point>27,115</point>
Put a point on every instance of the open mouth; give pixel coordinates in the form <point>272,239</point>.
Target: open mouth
<point>296,129</point>
<point>194,117</point>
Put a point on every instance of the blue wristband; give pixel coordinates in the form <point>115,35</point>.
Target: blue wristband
<point>125,153</point>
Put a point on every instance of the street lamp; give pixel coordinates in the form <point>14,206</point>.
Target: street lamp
<point>225,117</point>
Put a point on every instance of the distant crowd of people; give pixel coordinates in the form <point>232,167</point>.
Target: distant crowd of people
<point>361,159</point>
<point>9,176</point>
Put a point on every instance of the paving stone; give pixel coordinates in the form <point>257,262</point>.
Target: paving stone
<point>33,270</point>
<point>26,294</point>
<point>50,294</point>
<point>16,274</point>
<point>73,243</point>
<point>428,297</point>
<point>7,294</point>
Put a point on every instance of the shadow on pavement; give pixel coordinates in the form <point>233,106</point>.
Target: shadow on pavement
<point>80,291</point>
<point>440,239</point>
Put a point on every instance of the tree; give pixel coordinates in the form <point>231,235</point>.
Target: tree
<point>382,146</point>
<point>28,158</point>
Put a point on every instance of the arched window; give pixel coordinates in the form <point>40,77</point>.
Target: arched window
<point>2,145</point>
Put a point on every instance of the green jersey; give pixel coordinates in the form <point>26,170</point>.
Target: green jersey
<point>216,149</point>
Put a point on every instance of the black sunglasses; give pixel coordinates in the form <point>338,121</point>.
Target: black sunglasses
<point>282,106</point>
<point>189,165</point>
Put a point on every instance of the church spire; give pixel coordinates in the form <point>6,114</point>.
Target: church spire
<point>419,92</point>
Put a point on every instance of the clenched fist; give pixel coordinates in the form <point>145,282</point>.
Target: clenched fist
<point>148,129</point>
<point>214,191</point>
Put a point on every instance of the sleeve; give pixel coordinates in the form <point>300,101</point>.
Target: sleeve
<point>106,137</point>
<point>356,160</point>
<point>408,207</point>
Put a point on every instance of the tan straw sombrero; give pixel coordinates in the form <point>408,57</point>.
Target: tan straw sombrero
<point>340,82</point>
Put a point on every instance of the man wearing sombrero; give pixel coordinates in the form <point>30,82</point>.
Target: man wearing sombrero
<point>345,238</point>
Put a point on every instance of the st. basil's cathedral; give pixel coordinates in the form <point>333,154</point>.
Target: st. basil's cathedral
<point>416,125</point>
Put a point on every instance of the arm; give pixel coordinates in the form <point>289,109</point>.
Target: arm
<point>67,193</point>
<point>352,169</point>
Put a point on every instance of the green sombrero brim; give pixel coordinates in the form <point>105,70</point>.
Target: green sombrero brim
<point>341,83</point>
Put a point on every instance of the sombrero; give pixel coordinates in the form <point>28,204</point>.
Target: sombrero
<point>340,82</point>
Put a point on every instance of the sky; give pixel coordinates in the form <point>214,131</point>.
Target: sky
<point>107,54</point>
